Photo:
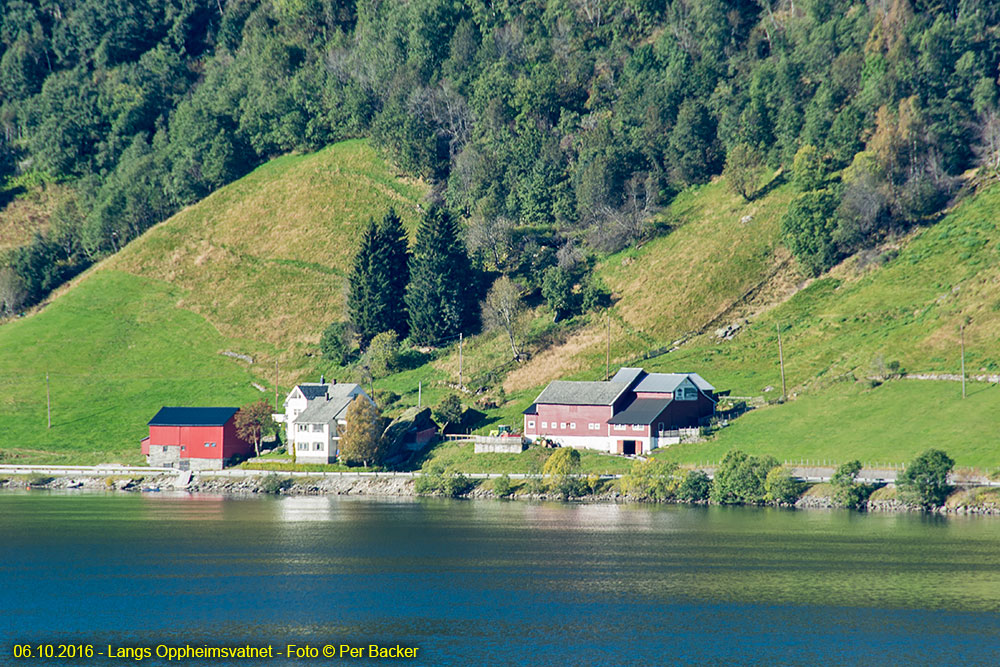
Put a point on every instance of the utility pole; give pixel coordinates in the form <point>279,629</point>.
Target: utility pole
<point>460,383</point>
<point>781,362</point>
<point>607,357</point>
<point>961,330</point>
<point>48,400</point>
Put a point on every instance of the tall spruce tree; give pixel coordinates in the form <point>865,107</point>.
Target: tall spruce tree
<point>438,296</point>
<point>378,280</point>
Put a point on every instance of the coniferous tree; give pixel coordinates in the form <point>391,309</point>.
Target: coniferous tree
<point>363,287</point>
<point>394,267</point>
<point>438,294</point>
<point>378,280</point>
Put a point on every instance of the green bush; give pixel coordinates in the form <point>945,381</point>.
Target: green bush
<point>925,480</point>
<point>275,484</point>
<point>457,485</point>
<point>536,486</point>
<point>696,487</point>
<point>846,491</point>
<point>740,478</point>
<point>807,227</point>
<point>594,483</point>
<point>502,486</point>
<point>560,470</point>
<point>780,487</point>
<point>651,480</point>
<point>431,481</point>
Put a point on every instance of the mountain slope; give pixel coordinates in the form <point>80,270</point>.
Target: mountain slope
<point>257,268</point>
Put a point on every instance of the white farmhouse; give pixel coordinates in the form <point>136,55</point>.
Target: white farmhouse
<point>315,415</point>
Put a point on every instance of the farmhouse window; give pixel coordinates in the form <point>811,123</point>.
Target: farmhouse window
<point>620,427</point>
<point>531,424</point>
<point>319,446</point>
<point>637,427</point>
<point>302,446</point>
<point>317,428</point>
<point>164,449</point>
<point>562,424</point>
<point>545,424</point>
<point>572,425</point>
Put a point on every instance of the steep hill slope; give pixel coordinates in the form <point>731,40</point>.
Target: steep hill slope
<point>906,303</point>
<point>257,268</point>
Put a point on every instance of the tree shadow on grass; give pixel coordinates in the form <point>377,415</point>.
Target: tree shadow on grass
<point>88,417</point>
<point>778,180</point>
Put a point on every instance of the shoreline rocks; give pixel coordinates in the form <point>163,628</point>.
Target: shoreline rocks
<point>389,486</point>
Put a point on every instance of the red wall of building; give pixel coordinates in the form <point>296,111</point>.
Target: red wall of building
<point>654,394</point>
<point>581,415</point>
<point>234,444</point>
<point>193,439</point>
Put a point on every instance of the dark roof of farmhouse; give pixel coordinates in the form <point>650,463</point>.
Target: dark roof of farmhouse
<point>641,411</point>
<point>192,416</point>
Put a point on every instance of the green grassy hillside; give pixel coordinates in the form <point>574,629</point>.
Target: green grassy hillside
<point>904,302</point>
<point>259,268</point>
<point>116,348</point>
<point>256,268</point>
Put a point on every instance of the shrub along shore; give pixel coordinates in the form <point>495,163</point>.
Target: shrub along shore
<point>741,479</point>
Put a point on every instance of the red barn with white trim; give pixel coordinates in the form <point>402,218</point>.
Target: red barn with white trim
<point>194,439</point>
<point>632,413</point>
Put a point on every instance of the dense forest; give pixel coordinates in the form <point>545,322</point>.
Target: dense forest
<point>552,129</point>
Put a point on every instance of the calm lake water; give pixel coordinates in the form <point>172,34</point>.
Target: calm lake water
<point>481,582</point>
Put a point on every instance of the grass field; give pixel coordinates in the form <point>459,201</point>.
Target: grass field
<point>891,423</point>
<point>116,349</point>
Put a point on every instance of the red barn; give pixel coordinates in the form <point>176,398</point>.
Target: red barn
<point>194,439</point>
<point>633,413</point>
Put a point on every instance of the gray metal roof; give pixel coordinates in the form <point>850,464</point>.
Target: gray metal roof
<point>641,411</point>
<point>701,382</point>
<point>628,375</point>
<point>319,410</point>
<point>565,392</point>
<point>668,382</point>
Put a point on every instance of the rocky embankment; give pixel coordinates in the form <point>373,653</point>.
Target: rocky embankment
<point>980,501</point>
